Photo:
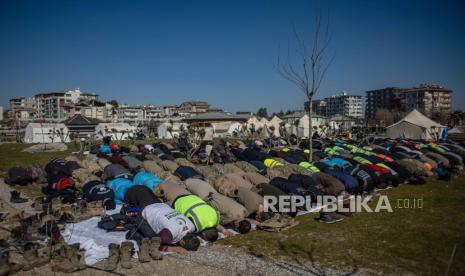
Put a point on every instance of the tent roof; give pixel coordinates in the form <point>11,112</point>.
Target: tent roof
<point>78,119</point>
<point>417,118</point>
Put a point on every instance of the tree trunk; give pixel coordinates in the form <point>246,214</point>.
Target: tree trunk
<point>310,131</point>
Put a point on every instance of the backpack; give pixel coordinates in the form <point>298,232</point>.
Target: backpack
<point>96,191</point>
<point>116,223</point>
<point>19,176</point>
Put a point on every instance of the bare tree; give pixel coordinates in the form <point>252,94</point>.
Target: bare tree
<point>310,74</point>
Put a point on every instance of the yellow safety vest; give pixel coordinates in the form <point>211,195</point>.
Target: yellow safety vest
<point>202,215</point>
<point>270,163</point>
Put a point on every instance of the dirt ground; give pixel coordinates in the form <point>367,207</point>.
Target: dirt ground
<point>214,259</point>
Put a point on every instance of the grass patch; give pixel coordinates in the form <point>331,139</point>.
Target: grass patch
<point>11,154</point>
<point>418,241</point>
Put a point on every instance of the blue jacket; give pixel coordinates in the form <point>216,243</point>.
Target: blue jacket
<point>105,149</point>
<point>336,162</point>
<point>146,179</point>
<point>119,187</point>
<point>350,183</point>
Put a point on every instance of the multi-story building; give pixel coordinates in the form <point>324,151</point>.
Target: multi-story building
<point>152,112</point>
<point>22,108</point>
<point>386,98</point>
<point>96,110</point>
<point>342,104</point>
<point>428,99</point>
<point>169,110</point>
<point>50,105</point>
<point>23,114</point>
<point>22,102</point>
<point>130,114</point>
<point>57,106</point>
<point>194,107</point>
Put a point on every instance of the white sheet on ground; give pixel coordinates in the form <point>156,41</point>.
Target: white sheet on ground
<point>95,241</point>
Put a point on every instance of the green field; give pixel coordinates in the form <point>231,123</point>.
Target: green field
<point>414,240</point>
<point>408,240</point>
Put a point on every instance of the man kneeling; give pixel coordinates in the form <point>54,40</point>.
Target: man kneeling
<point>172,227</point>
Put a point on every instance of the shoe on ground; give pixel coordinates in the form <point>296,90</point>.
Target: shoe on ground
<point>329,219</point>
<point>71,263</point>
<point>144,250</point>
<point>125,252</point>
<point>154,249</point>
<point>113,257</point>
<point>16,197</point>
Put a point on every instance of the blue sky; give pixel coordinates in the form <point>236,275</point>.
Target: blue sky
<point>225,52</point>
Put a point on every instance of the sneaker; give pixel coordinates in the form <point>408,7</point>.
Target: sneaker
<point>329,219</point>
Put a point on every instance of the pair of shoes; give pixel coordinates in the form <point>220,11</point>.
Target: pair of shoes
<point>329,218</point>
<point>121,254</point>
<point>32,259</point>
<point>70,259</point>
<point>16,197</point>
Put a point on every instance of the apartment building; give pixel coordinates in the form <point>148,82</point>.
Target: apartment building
<point>152,112</point>
<point>428,99</point>
<point>95,110</point>
<point>342,104</point>
<point>130,114</point>
<point>22,108</point>
<point>194,107</point>
<point>58,106</point>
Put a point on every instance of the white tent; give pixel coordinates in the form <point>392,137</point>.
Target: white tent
<point>317,122</point>
<point>415,126</point>
<point>276,123</point>
<point>46,133</point>
<point>235,127</point>
<point>117,131</point>
<point>263,122</point>
<point>163,132</point>
<point>253,121</point>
